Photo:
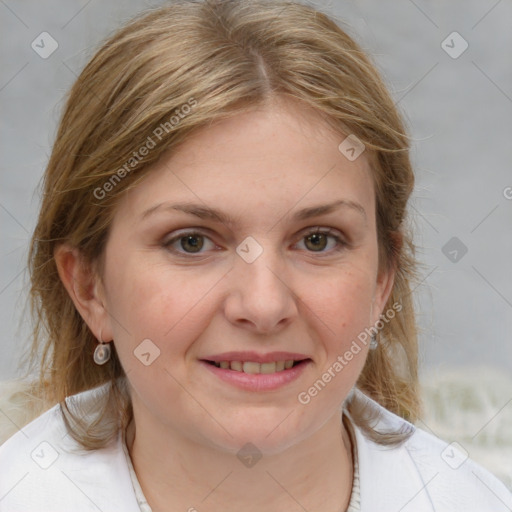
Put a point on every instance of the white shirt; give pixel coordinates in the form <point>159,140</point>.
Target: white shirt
<point>43,469</point>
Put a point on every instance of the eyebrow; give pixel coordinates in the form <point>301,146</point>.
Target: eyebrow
<point>204,212</point>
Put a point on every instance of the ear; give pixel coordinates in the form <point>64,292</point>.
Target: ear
<point>385,281</point>
<point>85,288</point>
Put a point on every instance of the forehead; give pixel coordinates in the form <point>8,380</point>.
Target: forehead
<point>276,157</point>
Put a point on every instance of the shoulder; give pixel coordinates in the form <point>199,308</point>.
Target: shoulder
<point>453,478</point>
<point>42,468</point>
<point>423,473</point>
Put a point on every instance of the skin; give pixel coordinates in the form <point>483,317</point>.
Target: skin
<point>260,167</point>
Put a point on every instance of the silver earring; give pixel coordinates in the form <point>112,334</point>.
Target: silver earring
<point>374,343</point>
<point>102,352</point>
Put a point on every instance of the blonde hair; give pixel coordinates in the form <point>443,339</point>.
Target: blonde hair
<point>221,58</point>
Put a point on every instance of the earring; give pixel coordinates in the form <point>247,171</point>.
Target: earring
<point>374,343</point>
<point>102,352</point>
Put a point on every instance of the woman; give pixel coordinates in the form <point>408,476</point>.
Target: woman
<point>221,280</point>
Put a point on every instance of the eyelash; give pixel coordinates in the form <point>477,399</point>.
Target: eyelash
<point>340,243</point>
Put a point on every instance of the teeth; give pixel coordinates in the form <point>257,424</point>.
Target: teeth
<point>268,368</point>
<point>253,367</point>
<point>250,367</point>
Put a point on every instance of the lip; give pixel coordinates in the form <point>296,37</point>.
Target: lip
<point>258,381</point>
<point>270,357</point>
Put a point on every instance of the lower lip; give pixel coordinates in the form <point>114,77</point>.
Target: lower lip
<point>258,381</point>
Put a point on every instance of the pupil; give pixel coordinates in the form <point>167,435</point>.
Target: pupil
<point>317,240</point>
<point>193,242</point>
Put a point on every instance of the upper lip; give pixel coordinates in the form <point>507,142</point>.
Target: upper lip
<point>256,357</point>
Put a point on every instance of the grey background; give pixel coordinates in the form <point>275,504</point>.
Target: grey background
<point>459,112</point>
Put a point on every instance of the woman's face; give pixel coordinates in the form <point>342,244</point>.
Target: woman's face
<point>214,257</point>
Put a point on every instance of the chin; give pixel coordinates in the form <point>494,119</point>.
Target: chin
<point>270,437</point>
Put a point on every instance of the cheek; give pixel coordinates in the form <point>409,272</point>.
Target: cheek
<point>157,303</point>
<point>341,313</point>
<point>343,304</point>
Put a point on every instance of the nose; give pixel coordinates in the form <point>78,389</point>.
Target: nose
<point>261,297</point>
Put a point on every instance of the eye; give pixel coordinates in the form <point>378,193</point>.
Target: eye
<point>317,240</point>
<point>190,242</point>
<point>193,242</point>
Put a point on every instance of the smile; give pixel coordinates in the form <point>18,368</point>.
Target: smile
<point>257,376</point>
<point>254,367</point>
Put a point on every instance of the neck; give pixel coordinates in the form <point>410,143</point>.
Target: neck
<point>178,474</point>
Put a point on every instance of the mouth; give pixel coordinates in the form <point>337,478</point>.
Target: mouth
<point>257,372</point>
<point>254,367</point>
<point>257,376</point>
